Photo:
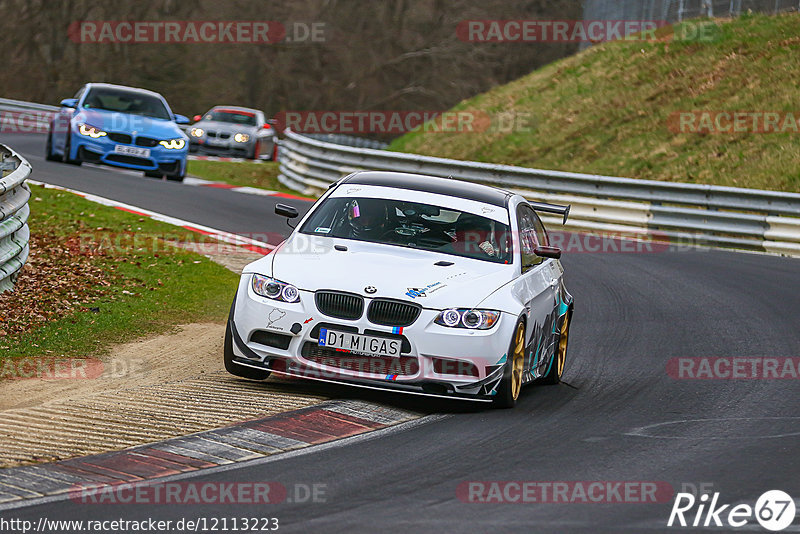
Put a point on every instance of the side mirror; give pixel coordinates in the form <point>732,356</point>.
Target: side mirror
<point>267,126</point>
<point>197,118</point>
<point>181,119</point>
<point>69,103</point>
<point>286,211</point>
<point>548,252</point>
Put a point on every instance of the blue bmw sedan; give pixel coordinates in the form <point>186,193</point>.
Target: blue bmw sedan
<point>119,126</point>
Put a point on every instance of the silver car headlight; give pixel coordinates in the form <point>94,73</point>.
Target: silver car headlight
<point>197,132</point>
<point>275,289</point>
<point>241,138</point>
<point>173,144</point>
<point>468,318</point>
<point>90,131</point>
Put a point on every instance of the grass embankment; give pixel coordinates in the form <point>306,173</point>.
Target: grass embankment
<point>263,175</point>
<point>98,276</point>
<point>607,109</point>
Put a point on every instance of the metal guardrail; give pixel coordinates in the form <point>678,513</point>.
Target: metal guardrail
<point>691,214</point>
<point>14,212</point>
<point>26,117</point>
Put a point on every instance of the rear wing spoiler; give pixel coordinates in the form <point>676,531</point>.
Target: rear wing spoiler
<point>551,208</point>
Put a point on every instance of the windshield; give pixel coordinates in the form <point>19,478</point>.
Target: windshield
<point>235,117</point>
<point>123,101</point>
<point>412,225</point>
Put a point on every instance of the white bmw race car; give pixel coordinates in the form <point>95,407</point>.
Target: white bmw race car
<point>418,284</point>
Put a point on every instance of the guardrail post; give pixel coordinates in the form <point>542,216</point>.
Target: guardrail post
<point>14,212</point>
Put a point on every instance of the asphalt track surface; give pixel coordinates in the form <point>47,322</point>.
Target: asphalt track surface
<point>633,313</point>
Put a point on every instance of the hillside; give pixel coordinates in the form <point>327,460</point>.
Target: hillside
<point>614,109</point>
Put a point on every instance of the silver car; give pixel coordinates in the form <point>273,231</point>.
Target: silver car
<point>232,131</point>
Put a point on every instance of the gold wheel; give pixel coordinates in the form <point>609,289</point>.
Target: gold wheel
<point>562,345</point>
<point>518,361</point>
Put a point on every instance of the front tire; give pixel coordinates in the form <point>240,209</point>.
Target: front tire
<point>236,369</point>
<point>560,357</point>
<point>67,150</point>
<point>48,151</point>
<point>511,384</point>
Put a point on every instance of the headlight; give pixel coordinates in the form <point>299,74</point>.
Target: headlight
<point>197,132</point>
<point>467,318</point>
<point>275,289</point>
<point>91,131</point>
<point>241,138</point>
<point>173,144</point>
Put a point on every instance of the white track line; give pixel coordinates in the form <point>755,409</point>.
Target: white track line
<point>225,237</point>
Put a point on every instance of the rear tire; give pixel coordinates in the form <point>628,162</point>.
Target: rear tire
<point>236,369</point>
<point>553,377</point>
<point>511,384</point>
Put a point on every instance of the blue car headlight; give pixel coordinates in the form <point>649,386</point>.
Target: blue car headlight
<point>468,318</point>
<point>90,131</point>
<point>275,289</point>
<point>173,144</point>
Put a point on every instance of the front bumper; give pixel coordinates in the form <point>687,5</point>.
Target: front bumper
<point>435,360</point>
<point>231,148</point>
<point>101,150</point>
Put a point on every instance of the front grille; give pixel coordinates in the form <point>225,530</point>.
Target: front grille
<point>393,312</point>
<point>211,134</point>
<point>224,136</point>
<point>380,365</point>
<point>339,305</point>
<point>146,141</point>
<point>130,160</point>
<point>120,138</point>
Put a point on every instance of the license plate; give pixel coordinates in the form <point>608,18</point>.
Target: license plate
<point>132,151</point>
<point>359,343</point>
<point>216,142</point>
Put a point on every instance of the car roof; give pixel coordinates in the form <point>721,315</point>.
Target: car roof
<point>237,108</point>
<point>123,87</point>
<point>432,184</point>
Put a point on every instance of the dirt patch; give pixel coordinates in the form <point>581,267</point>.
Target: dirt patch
<point>158,388</point>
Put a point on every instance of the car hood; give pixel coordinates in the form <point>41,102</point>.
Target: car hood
<point>113,121</point>
<point>224,126</point>
<point>311,263</point>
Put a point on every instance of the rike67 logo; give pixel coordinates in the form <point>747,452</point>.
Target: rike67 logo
<point>774,510</point>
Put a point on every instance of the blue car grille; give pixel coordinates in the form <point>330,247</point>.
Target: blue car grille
<point>120,138</point>
<point>146,141</point>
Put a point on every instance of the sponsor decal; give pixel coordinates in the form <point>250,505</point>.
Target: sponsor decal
<point>419,292</point>
<point>274,316</point>
<point>322,230</point>
<point>308,320</point>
